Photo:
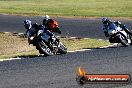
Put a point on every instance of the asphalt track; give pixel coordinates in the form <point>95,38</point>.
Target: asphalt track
<point>59,71</point>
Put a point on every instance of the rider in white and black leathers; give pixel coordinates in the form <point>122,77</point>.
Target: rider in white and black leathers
<point>46,19</point>
<point>106,22</point>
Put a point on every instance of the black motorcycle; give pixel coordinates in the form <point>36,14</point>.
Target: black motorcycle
<point>47,45</point>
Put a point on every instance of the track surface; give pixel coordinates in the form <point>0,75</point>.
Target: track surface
<point>59,71</point>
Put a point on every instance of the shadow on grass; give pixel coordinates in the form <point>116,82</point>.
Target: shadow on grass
<point>29,56</point>
<point>108,47</point>
<point>34,56</point>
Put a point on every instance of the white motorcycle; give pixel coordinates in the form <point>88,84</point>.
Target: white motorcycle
<point>118,35</point>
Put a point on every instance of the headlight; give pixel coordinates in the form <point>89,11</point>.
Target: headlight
<point>31,38</point>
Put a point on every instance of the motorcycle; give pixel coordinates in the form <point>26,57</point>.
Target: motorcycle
<point>46,45</point>
<point>118,35</point>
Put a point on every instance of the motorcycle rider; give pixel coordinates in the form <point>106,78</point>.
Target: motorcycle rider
<point>46,19</point>
<point>51,24</point>
<point>35,29</point>
<point>106,22</point>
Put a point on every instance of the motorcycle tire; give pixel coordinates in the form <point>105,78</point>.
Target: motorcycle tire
<point>43,49</point>
<point>62,48</point>
<point>123,40</point>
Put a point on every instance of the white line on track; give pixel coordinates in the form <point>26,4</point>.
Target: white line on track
<point>8,59</point>
<point>81,50</point>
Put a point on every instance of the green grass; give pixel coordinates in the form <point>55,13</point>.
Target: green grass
<point>74,44</point>
<point>85,8</point>
<point>14,45</point>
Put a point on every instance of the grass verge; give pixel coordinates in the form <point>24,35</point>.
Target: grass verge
<point>74,44</point>
<point>14,45</point>
<point>88,8</point>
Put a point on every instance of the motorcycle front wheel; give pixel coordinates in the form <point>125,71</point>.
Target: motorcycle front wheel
<point>123,40</point>
<point>43,48</point>
<point>62,48</point>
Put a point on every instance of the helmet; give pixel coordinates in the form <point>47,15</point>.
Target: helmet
<point>105,21</point>
<point>27,24</point>
<point>46,17</point>
<point>118,22</point>
<point>53,26</point>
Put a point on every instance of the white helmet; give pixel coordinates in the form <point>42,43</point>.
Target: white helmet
<point>27,24</point>
<point>46,17</point>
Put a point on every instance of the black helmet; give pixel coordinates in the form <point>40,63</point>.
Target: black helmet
<point>27,24</point>
<point>105,21</point>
